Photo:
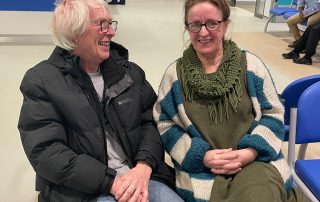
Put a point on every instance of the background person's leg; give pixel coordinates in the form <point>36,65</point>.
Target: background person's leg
<point>311,45</point>
<point>299,47</point>
<point>302,42</point>
<point>314,19</point>
<point>293,22</point>
<point>313,40</point>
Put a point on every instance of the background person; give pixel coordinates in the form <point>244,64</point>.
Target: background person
<point>86,120</point>
<point>309,10</point>
<point>308,42</point>
<point>220,118</point>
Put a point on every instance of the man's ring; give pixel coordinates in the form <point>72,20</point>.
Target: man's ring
<point>133,186</point>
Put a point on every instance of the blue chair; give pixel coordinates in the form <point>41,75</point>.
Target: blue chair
<point>280,11</point>
<point>304,129</point>
<point>291,95</point>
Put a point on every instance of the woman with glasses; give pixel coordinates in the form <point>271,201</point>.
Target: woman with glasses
<point>86,120</point>
<point>220,118</point>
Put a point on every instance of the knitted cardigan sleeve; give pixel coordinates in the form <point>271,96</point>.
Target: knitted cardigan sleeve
<point>267,131</point>
<point>180,138</point>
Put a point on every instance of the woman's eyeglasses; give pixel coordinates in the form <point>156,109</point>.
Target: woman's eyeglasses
<point>210,25</point>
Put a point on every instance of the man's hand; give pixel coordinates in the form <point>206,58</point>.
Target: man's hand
<point>133,186</point>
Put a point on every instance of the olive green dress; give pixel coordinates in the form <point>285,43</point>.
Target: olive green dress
<point>258,181</point>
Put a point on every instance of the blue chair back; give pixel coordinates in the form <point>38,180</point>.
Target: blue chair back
<point>308,115</point>
<point>291,95</point>
<point>293,91</point>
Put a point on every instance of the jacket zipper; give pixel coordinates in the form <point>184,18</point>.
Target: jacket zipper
<point>93,100</point>
<point>120,132</point>
<point>89,91</point>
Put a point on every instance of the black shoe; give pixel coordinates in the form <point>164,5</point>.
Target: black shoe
<point>290,55</point>
<point>115,2</point>
<point>293,44</point>
<point>304,60</point>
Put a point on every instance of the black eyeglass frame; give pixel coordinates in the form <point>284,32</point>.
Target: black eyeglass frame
<point>109,23</point>
<point>203,24</point>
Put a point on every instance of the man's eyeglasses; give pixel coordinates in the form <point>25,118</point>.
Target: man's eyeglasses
<point>105,25</point>
<point>210,25</point>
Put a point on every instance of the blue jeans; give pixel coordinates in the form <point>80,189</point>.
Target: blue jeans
<point>158,192</point>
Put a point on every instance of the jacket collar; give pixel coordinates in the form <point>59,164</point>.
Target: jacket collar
<point>112,68</point>
<point>66,62</point>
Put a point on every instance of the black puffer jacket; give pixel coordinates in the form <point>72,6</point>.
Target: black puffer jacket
<point>62,125</point>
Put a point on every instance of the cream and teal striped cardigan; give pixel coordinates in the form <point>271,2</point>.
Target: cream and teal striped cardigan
<point>187,147</point>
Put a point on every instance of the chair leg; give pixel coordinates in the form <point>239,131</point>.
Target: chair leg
<point>302,151</point>
<point>266,26</point>
<point>292,138</point>
<point>304,188</point>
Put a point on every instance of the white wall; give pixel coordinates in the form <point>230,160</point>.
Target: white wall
<point>24,22</point>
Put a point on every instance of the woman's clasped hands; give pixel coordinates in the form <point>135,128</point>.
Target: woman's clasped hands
<point>228,161</point>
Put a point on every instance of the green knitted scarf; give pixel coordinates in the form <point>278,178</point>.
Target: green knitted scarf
<point>219,92</point>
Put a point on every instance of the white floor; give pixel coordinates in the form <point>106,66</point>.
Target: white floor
<point>152,30</point>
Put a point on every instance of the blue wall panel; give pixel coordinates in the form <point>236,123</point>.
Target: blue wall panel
<point>26,5</point>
